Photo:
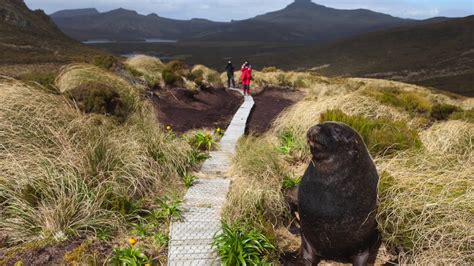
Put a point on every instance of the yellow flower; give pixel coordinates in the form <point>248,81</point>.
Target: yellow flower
<point>168,128</point>
<point>148,264</point>
<point>132,241</point>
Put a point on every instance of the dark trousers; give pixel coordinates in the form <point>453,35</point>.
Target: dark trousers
<point>230,81</point>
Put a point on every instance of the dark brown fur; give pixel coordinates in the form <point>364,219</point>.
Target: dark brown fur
<point>337,197</point>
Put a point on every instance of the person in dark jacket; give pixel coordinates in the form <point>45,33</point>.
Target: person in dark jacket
<point>230,75</point>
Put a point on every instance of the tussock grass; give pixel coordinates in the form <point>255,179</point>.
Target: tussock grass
<point>87,80</point>
<point>149,67</point>
<point>426,206</point>
<point>256,193</point>
<point>426,190</point>
<point>65,174</point>
<point>450,137</point>
<point>382,136</point>
<point>208,76</point>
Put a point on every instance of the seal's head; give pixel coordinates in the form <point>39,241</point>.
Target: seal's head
<point>330,140</point>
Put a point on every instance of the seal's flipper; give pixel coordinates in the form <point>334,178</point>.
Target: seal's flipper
<point>361,258</point>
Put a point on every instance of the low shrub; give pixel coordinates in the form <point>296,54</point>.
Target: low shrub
<point>240,245</point>
<point>176,66</point>
<point>105,61</point>
<point>382,136</point>
<point>100,99</point>
<point>443,111</point>
<point>170,78</point>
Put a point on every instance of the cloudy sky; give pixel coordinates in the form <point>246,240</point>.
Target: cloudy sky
<point>225,10</point>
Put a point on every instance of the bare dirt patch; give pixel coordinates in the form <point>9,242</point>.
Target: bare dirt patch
<point>185,110</point>
<point>268,105</point>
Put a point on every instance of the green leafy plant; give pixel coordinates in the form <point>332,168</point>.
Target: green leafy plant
<point>287,142</point>
<point>189,180</point>
<point>239,245</point>
<point>168,209</point>
<point>129,256</point>
<point>290,181</point>
<point>142,229</point>
<point>160,239</point>
<point>197,157</point>
<point>203,141</point>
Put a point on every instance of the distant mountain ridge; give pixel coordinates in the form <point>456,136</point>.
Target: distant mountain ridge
<point>31,36</point>
<point>301,21</point>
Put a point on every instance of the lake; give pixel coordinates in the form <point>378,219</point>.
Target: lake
<point>146,40</point>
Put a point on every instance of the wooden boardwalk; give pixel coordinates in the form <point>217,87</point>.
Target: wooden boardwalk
<point>191,238</point>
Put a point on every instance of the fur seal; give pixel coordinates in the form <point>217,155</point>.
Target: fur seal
<point>337,199</point>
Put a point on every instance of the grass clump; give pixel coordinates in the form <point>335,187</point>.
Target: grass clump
<point>410,101</point>
<point>466,115</point>
<point>240,245</point>
<point>150,68</point>
<point>270,69</point>
<point>426,206</point>
<point>382,136</point>
<point>44,79</point>
<point>256,198</point>
<point>170,78</point>
<point>207,77</point>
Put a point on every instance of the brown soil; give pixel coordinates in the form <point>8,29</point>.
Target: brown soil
<point>268,105</point>
<point>54,255</point>
<point>185,110</point>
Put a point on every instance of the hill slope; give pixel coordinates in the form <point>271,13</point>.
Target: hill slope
<point>30,37</point>
<point>437,54</point>
<point>302,21</point>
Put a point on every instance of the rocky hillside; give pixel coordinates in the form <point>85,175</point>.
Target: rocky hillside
<point>30,36</point>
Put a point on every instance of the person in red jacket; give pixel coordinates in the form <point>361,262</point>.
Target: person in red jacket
<point>246,77</point>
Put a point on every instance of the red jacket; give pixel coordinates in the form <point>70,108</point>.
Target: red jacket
<point>246,75</point>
